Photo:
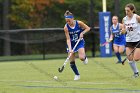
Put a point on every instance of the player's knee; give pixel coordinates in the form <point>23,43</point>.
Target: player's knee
<point>136,59</point>
<point>82,58</point>
<point>121,52</point>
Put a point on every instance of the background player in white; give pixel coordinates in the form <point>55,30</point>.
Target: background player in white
<point>132,28</point>
<point>118,38</point>
<point>75,29</point>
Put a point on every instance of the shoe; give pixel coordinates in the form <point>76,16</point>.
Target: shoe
<point>118,62</point>
<point>76,77</point>
<point>85,61</point>
<point>136,75</point>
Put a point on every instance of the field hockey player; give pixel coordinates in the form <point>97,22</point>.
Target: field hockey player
<point>75,29</point>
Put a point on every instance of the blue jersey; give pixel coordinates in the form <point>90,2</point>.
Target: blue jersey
<point>74,34</point>
<point>119,39</point>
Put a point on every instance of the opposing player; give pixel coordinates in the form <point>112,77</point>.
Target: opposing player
<point>75,29</point>
<point>118,38</point>
<point>132,28</point>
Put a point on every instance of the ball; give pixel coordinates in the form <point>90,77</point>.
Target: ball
<point>55,77</point>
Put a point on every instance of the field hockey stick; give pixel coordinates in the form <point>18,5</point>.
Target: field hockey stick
<point>130,53</point>
<point>105,43</point>
<point>67,59</point>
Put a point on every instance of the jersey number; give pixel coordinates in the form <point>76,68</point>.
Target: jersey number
<point>75,37</point>
<point>117,34</point>
<point>130,28</point>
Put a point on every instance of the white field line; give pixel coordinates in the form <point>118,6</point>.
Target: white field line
<point>68,82</point>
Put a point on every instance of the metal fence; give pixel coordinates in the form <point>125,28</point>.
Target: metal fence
<point>38,43</point>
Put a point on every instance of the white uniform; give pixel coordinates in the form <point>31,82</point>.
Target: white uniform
<point>132,29</point>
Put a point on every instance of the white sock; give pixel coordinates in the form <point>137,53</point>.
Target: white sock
<point>133,66</point>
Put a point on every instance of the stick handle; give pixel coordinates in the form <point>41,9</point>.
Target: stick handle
<point>130,53</point>
<point>72,50</point>
<point>76,44</point>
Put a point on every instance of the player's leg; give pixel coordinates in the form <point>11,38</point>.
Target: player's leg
<point>131,62</point>
<point>137,54</point>
<point>121,49</point>
<point>136,57</point>
<point>116,50</point>
<point>82,55</point>
<point>74,67</point>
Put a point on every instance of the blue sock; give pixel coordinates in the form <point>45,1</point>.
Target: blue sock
<point>124,50</point>
<point>118,56</point>
<point>74,68</point>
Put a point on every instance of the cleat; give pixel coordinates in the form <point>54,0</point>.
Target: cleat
<point>85,61</point>
<point>118,62</point>
<point>136,75</point>
<point>76,77</point>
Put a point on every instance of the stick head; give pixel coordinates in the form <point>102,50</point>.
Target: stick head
<point>61,69</point>
<point>124,61</point>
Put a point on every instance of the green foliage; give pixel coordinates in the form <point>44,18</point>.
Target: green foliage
<point>1,15</point>
<point>124,2</point>
<point>80,9</point>
<point>25,15</point>
<point>29,13</point>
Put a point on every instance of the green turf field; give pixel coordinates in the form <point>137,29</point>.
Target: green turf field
<point>101,75</point>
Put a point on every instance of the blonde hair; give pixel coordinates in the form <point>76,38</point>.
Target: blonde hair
<point>68,13</point>
<point>116,17</point>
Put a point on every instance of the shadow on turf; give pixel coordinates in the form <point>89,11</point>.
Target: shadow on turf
<point>46,73</point>
<point>116,73</point>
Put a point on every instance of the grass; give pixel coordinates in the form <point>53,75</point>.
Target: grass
<point>101,75</point>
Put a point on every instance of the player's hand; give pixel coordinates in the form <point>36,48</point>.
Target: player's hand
<point>81,35</point>
<point>109,40</point>
<point>123,31</point>
<point>71,51</point>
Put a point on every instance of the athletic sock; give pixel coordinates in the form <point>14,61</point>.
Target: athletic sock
<point>74,67</point>
<point>124,50</point>
<point>85,58</point>
<point>118,56</point>
<point>133,66</point>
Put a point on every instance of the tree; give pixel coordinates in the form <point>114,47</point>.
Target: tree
<point>6,25</point>
<point>122,6</point>
<point>30,13</point>
<point>24,14</point>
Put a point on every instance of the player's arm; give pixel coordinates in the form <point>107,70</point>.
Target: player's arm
<point>123,30</point>
<point>111,36</point>
<point>138,18</point>
<point>83,26</point>
<point>67,38</point>
<point>121,26</point>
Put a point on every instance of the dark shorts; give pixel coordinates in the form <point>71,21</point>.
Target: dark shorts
<point>133,44</point>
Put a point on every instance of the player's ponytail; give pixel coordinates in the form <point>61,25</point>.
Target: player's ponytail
<point>68,14</point>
